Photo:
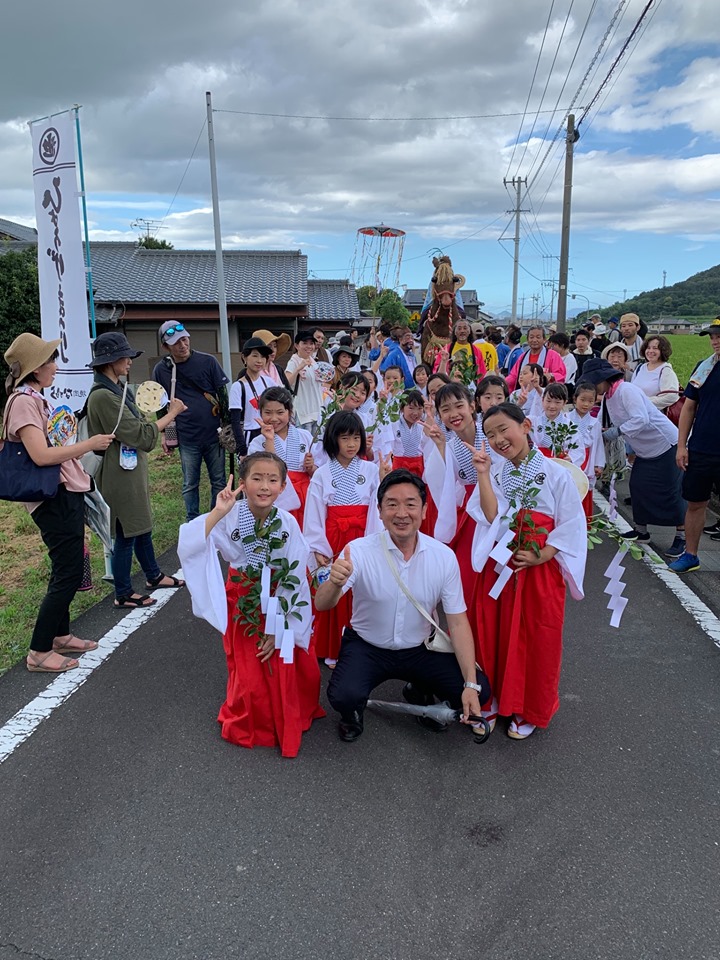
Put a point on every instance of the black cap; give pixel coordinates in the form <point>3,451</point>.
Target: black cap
<point>302,335</point>
<point>255,343</point>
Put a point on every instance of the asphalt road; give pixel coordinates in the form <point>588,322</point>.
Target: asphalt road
<point>130,830</point>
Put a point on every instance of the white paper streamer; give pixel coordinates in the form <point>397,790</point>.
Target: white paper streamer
<point>613,512</point>
<point>279,629</point>
<point>505,574</point>
<point>616,586</point>
<point>287,650</point>
<point>270,615</point>
<point>264,588</point>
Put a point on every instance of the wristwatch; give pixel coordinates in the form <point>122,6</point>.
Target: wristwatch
<point>473,686</point>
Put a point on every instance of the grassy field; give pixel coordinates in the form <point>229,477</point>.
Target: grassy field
<point>24,565</point>
<point>687,350</point>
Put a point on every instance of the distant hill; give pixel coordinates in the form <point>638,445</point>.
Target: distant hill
<point>697,297</point>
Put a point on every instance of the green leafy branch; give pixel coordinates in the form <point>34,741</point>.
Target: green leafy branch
<point>387,411</point>
<point>334,406</point>
<point>465,363</point>
<point>283,577</point>
<point>562,437</point>
<point>524,528</point>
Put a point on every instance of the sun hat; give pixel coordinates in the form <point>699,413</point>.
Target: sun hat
<point>25,354</point>
<point>176,332</point>
<point>600,328</point>
<point>596,370</point>
<point>302,336</point>
<point>343,349</point>
<point>618,345</point>
<point>713,328</point>
<point>109,347</point>
<point>282,339</point>
<point>255,343</point>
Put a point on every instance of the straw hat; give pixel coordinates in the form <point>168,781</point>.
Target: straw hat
<point>283,340</point>
<point>25,354</point>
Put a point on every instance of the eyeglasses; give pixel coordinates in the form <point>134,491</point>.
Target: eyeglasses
<point>178,328</point>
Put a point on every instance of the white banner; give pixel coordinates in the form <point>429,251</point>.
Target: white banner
<point>61,265</point>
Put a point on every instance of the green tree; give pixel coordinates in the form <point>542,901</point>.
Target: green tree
<point>19,296</point>
<point>152,243</point>
<point>366,297</point>
<point>389,306</point>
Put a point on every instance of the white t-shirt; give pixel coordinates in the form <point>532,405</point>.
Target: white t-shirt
<point>244,396</point>
<point>381,613</point>
<point>308,398</point>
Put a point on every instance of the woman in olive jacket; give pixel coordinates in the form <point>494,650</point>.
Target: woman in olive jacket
<point>123,476</point>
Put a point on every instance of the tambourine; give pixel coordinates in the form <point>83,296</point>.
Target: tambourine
<point>151,397</point>
<point>579,479</point>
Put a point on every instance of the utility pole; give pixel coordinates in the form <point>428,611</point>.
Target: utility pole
<point>664,278</point>
<point>219,265</point>
<point>522,311</point>
<point>517,182</point>
<point>572,137</point>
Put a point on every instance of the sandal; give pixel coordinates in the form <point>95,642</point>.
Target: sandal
<point>520,729</point>
<point>156,585</point>
<point>66,645</point>
<point>36,663</point>
<point>132,603</point>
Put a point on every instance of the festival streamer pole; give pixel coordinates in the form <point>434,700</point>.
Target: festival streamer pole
<point>88,263</point>
<point>220,267</point>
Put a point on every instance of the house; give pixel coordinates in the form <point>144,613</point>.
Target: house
<point>671,325</point>
<point>136,290</point>
<point>17,232</point>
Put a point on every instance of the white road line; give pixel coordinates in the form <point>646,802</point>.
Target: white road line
<point>26,721</point>
<point>698,610</point>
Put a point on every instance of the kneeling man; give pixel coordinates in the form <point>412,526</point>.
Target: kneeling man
<point>387,634</point>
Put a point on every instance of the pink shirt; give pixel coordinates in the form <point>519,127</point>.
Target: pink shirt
<point>552,363</point>
<point>32,410</point>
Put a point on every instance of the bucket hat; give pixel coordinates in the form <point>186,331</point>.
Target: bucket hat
<point>25,354</point>
<point>109,347</point>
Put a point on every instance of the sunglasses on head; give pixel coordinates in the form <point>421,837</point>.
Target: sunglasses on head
<point>178,328</point>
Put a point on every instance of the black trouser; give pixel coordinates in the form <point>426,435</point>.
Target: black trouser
<point>62,526</point>
<point>361,667</point>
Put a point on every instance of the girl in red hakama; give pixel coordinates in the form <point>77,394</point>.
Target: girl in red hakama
<point>278,435</point>
<point>520,632</point>
<point>450,474</point>
<point>407,445</point>
<point>273,685</point>
<point>590,430</point>
<point>341,506</point>
<point>570,447</point>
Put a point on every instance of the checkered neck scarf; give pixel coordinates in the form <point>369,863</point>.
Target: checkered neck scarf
<point>346,482</point>
<point>466,471</point>
<point>410,437</point>
<point>543,429</point>
<point>514,479</point>
<point>291,450</point>
<point>257,551</point>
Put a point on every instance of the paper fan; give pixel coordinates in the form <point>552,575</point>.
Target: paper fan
<point>580,480</point>
<point>62,427</point>
<point>151,397</point>
<point>324,372</point>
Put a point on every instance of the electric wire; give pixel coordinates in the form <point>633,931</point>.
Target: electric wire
<point>310,116</point>
<point>187,167</point>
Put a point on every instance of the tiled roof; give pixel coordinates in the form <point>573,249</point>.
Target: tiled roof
<point>415,296</point>
<point>16,231</point>
<point>132,274</point>
<point>332,300</point>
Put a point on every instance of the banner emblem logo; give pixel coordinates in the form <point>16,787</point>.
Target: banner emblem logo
<point>49,146</point>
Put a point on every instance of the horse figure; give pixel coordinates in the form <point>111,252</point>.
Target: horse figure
<point>443,312</point>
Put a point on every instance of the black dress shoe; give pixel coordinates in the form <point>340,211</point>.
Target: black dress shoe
<point>351,726</point>
<point>416,696</point>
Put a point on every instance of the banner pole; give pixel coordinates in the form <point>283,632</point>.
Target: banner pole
<point>88,265</point>
<point>219,266</point>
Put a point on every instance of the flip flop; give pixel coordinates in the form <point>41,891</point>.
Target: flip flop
<point>132,603</point>
<point>37,665</point>
<point>156,585</point>
<point>86,645</point>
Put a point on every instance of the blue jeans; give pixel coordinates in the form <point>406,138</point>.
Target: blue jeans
<point>191,459</point>
<point>122,559</point>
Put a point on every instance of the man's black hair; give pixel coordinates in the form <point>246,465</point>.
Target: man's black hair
<point>401,475</point>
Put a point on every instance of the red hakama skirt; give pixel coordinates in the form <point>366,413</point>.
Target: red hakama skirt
<point>267,704</point>
<point>588,498</point>
<point>300,481</point>
<point>519,637</point>
<point>416,465</point>
<point>342,525</point>
<point>461,546</point>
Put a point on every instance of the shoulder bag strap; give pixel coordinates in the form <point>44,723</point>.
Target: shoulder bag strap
<point>439,632</point>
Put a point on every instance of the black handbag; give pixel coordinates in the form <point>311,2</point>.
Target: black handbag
<point>21,479</point>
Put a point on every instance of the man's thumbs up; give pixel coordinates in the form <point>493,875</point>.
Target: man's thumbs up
<point>341,569</point>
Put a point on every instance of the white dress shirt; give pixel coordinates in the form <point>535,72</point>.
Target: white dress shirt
<point>649,431</point>
<point>381,613</point>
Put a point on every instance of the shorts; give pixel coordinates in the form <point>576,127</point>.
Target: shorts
<point>701,477</point>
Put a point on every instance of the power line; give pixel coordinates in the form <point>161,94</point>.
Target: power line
<point>310,116</point>
<point>187,167</point>
<point>616,61</point>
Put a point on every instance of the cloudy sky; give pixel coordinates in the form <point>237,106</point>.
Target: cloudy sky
<point>465,94</point>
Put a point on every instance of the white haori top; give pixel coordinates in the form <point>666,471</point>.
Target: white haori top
<point>381,613</point>
<point>204,576</point>
<point>292,452</point>
<point>323,493</point>
<point>590,429</point>
<point>650,432</point>
<point>558,498</point>
<point>542,434</point>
